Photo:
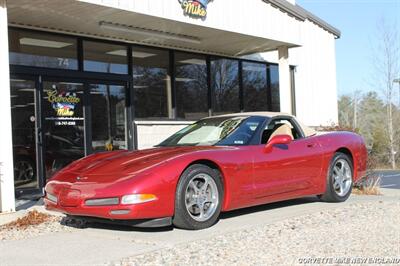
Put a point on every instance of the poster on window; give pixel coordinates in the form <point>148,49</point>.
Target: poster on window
<point>64,104</point>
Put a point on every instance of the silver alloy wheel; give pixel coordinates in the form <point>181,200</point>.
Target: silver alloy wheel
<point>342,177</point>
<point>201,197</point>
<point>24,171</point>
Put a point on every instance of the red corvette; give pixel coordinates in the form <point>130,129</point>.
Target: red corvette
<point>215,165</point>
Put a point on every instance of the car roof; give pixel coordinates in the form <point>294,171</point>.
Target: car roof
<point>307,130</point>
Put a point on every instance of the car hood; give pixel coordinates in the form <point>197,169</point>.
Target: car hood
<point>127,163</point>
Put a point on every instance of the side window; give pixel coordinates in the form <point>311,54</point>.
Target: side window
<point>244,134</point>
<point>279,126</point>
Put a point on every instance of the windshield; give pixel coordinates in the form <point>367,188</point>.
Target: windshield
<point>238,130</point>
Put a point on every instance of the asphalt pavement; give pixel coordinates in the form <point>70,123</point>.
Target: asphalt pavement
<point>390,178</point>
<point>99,244</point>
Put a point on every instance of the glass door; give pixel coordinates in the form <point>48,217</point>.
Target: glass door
<point>25,131</point>
<point>57,121</point>
<point>108,117</point>
<point>63,124</point>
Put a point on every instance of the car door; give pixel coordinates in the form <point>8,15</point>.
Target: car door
<point>287,168</point>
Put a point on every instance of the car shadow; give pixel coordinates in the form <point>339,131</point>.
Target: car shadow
<point>268,206</point>
<point>81,224</point>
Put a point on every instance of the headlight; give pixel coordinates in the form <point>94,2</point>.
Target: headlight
<point>102,202</point>
<point>137,198</point>
<point>51,197</point>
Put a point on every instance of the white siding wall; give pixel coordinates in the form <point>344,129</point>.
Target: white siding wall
<point>316,92</point>
<point>7,203</point>
<point>316,72</point>
<point>151,133</point>
<point>250,17</point>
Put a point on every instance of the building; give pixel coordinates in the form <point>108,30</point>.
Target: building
<point>83,76</point>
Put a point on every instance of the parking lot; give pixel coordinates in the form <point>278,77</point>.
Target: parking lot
<point>98,244</point>
<point>390,179</point>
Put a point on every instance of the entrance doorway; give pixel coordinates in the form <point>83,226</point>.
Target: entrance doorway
<point>56,121</point>
<point>63,124</point>
<point>108,115</point>
<point>24,113</point>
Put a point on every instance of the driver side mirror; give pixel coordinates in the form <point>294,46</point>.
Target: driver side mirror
<point>276,140</point>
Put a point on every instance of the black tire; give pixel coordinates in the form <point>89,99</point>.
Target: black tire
<point>182,218</point>
<point>28,173</point>
<point>331,195</point>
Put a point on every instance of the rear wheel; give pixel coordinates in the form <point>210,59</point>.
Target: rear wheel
<point>198,198</point>
<point>340,179</point>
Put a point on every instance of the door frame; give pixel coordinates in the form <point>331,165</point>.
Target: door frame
<point>88,112</point>
<point>31,192</point>
<point>57,76</point>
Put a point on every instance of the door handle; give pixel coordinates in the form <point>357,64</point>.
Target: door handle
<point>39,136</point>
<point>311,145</point>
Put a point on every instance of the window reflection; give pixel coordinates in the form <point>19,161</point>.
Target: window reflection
<point>108,117</point>
<point>152,87</point>
<point>42,50</point>
<point>255,87</point>
<point>191,86</point>
<point>63,124</point>
<point>104,57</point>
<point>275,97</point>
<point>225,86</point>
<point>23,130</point>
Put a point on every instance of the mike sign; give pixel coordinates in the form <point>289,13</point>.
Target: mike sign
<point>195,8</point>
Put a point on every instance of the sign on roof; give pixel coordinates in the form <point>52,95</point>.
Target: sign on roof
<point>195,8</point>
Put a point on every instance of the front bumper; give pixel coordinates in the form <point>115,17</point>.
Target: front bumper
<point>74,205</point>
<point>142,223</point>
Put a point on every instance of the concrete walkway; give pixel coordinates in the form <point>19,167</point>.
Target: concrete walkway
<point>100,244</point>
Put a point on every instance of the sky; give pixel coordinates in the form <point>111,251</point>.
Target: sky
<point>357,20</point>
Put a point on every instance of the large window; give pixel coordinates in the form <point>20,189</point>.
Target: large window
<point>225,86</point>
<point>42,50</point>
<point>191,86</point>
<point>108,117</point>
<point>152,83</point>
<point>255,87</point>
<point>104,57</point>
<point>275,100</point>
<point>162,89</point>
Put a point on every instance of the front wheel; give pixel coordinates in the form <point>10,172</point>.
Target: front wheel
<point>339,180</point>
<point>198,198</point>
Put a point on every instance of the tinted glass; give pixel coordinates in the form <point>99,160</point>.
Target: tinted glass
<point>225,86</point>
<point>191,86</point>
<point>63,124</point>
<point>104,57</point>
<point>216,131</point>
<point>275,100</point>
<point>108,117</point>
<point>42,50</point>
<point>152,84</point>
<point>23,130</point>
<point>255,87</point>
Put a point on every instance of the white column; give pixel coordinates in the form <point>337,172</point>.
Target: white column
<point>284,80</point>
<point>7,197</point>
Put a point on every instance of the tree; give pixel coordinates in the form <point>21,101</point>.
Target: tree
<point>345,106</point>
<point>371,114</point>
<point>386,61</point>
<point>371,117</point>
